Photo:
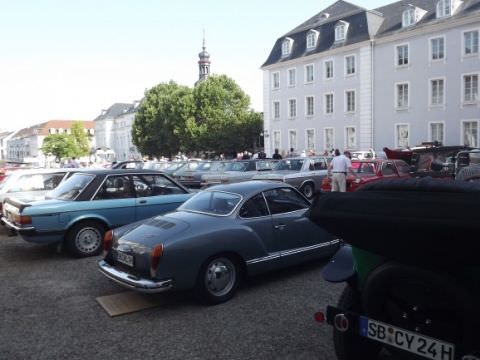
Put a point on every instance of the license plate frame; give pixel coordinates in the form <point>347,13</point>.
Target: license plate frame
<point>125,259</point>
<point>412,342</point>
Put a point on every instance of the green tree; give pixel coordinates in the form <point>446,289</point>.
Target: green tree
<point>161,119</point>
<point>80,138</point>
<point>60,146</point>
<point>223,120</point>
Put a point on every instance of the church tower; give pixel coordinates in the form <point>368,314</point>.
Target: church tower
<point>203,63</point>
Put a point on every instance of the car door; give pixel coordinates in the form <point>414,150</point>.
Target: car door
<point>156,194</point>
<point>297,238</point>
<point>264,251</point>
<point>115,200</point>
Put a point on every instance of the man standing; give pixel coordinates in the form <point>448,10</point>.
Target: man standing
<point>276,155</point>
<point>339,166</point>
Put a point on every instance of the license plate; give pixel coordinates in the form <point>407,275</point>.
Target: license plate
<point>125,258</point>
<point>412,342</point>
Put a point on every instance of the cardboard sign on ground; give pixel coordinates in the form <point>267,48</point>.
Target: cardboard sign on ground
<point>127,302</point>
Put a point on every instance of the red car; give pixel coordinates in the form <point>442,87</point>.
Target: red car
<point>8,166</point>
<point>372,170</point>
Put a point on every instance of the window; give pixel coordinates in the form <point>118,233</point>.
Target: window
<point>470,133</point>
<point>437,132</point>
<point>408,17</point>
<point>292,77</point>
<point>276,110</point>
<point>437,49</point>
<point>341,31</point>
<point>255,207</point>
<point>312,37</point>
<point>470,42</point>
<point>211,202</point>
<point>309,73</point>
<point>287,46</point>
<point>154,185</point>
<point>276,80</point>
<point>402,96</point>
<point>276,139</point>
<point>350,137</point>
<point>437,92</point>
<point>292,139</point>
<point>328,138</point>
<point>444,8</point>
<point>309,106</point>
<point>328,103</point>
<point>116,187</point>
<point>402,55</point>
<point>350,101</point>
<point>350,65</point>
<point>388,169</point>
<point>329,69</point>
<point>310,137</point>
<point>285,200</point>
<point>401,135</point>
<point>470,88</point>
<point>292,108</point>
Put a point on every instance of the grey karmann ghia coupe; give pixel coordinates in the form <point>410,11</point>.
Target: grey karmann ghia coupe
<point>215,238</point>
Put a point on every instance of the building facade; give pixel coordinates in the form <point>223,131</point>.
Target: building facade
<point>352,78</point>
<point>5,136</point>
<point>25,145</point>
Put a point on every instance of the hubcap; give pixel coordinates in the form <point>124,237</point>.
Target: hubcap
<point>88,239</point>
<point>308,191</point>
<point>220,276</point>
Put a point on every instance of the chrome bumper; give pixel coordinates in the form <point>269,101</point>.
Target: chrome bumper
<point>12,226</point>
<point>133,282</point>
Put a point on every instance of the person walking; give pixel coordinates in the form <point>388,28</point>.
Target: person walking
<point>337,170</point>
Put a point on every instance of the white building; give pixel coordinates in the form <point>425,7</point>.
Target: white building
<point>25,145</point>
<point>4,137</point>
<point>352,78</point>
<point>113,130</point>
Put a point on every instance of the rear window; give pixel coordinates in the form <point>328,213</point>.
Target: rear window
<point>212,202</point>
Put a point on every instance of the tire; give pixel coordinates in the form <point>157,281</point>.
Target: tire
<point>218,279</point>
<point>405,296</point>
<point>308,190</point>
<point>85,238</point>
<point>348,345</point>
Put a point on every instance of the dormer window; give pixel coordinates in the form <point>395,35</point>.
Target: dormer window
<point>312,37</point>
<point>444,8</point>
<point>408,17</point>
<point>341,31</point>
<point>287,46</point>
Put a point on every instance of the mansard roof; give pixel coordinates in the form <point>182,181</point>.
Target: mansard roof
<point>393,14</point>
<point>359,21</point>
<point>115,110</point>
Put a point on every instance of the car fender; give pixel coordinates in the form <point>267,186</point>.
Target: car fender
<point>94,217</point>
<point>341,267</point>
<point>184,266</point>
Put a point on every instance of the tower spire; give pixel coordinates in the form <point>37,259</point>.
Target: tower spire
<point>203,62</point>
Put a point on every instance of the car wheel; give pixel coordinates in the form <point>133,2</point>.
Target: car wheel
<point>348,345</point>
<point>218,280</point>
<point>85,239</point>
<point>308,190</point>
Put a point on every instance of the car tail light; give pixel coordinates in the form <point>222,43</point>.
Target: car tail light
<point>107,242</point>
<point>319,316</point>
<point>23,220</point>
<point>155,256</point>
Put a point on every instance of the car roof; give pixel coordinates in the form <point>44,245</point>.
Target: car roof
<point>21,171</point>
<point>118,171</point>
<point>247,188</point>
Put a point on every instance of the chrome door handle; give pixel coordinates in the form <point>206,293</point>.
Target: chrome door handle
<point>280,226</point>
<point>142,202</point>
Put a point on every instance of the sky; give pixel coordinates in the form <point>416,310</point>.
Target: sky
<point>68,60</point>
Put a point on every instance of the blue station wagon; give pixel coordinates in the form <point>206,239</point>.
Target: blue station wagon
<point>80,210</point>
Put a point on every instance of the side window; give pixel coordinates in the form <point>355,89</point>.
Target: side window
<point>402,167</point>
<point>255,207</point>
<point>116,187</point>
<point>153,185</point>
<point>285,200</point>
<point>51,181</point>
<point>388,169</point>
<point>320,164</point>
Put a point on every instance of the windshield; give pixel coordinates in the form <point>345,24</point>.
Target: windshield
<point>236,166</point>
<point>289,164</point>
<point>212,202</point>
<point>72,187</point>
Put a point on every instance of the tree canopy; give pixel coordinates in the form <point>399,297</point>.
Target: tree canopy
<point>213,116</point>
<point>75,144</point>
